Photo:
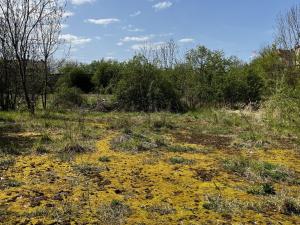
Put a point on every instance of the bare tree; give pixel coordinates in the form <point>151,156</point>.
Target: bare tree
<point>167,54</point>
<point>21,20</point>
<point>8,80</point>
<point>48,33</point>
<point>162,55</point>
<point>288,29</point>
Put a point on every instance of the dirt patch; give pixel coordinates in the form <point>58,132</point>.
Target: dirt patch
<point>219,142</point>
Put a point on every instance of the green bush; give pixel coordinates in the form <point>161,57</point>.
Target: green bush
<point>68,98</point>
<point>105,75</point>
<point>282,109</point>
<point>76,76</point>
<point>144,88</point>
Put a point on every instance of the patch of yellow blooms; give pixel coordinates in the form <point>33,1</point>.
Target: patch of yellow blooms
<point>140,180</point>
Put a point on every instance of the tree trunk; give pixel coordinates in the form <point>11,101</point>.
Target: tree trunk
<point>44,95</point>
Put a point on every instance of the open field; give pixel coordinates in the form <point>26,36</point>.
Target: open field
<point>208,167</point>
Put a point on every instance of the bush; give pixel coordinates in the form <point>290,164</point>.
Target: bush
<point>282,110</point>
<point>105,75</point>
<point>144,88</point>
<point>243,87</point>
<point>76,76</point>
<point>68,98</point>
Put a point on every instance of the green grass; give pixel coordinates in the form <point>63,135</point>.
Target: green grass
<point>259,170</point>
<point>180,160</point>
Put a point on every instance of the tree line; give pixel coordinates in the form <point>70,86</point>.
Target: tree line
<point>154,79</point>
<point>152,82</point>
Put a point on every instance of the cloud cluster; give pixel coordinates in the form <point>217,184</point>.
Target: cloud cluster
<point>186,40</point>
<point>81,2</point>
<point>103,22</point>
<point>137,13</point>
<point>74,40</point>
<point>162,5</point>
<point>136,38</point>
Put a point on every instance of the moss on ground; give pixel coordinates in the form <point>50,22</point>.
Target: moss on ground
<point>107,185</point>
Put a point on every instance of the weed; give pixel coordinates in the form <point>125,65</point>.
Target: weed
<point>89,170</point>
<point>113,213</point>
<point>45,138</point>
<point>218,204</point>
<point>258,170</point>
<point>161,122</point>
<point>281,202</point>
<point>291,206</point>
<point>75,148</point>
<point>161,209</point>
<point>135,142</point>
<point>263,189</point>
<point>41,150</point>
<point>180,160</point>
<point>104,159</point>
<point>5,163</point>
<point>7,183</point>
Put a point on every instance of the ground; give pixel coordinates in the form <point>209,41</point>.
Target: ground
<point>136,168</point>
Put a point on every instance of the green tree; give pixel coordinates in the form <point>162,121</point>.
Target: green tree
<point>105,74</point>
<point>143,87</point>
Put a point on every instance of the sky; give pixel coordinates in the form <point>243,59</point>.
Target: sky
<point>116,29</point>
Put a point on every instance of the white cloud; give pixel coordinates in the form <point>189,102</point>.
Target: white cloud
<point>137,47</point>
<point>162,5</point>
<point>103,22</point>
<point>81,2</point>
<point>136,39</point>
<point>68,14</point>
<point>150,46</point>
<point>137,13</point>
<point>166,34</point>
<point>131,28</point>
<point>74,40</point>
<point>120,43</point>
<point>186,40</point>
<point>63,26</point>
<point>109,58</point>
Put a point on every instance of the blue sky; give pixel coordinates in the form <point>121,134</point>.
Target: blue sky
<point>117,28</point>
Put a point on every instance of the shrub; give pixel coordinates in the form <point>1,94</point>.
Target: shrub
<point>259,170</point>
<point>68,98</point>
<point>134,142</point>
<point>81,80</point>
<point>89,170</point>
<point>144,88</point>
<point>113,213</point>
<point>263,189</point>
<point>5,163</point>
<point>106,75</point>
<point>104,159</point>
<point>40,149</point>
<point>219,204</point>
<point>180,160</point>
<point>162,209</point>
<point>282,110</point>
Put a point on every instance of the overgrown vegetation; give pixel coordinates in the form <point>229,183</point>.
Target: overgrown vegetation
<point>154,139</point>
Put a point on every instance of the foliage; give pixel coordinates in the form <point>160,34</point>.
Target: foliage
<point>143,87</point>
<point>68,97</point>
<point>282,109</point>
<point>105,75</point>
<point>74,75</point>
